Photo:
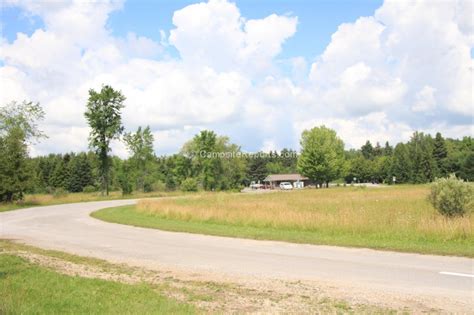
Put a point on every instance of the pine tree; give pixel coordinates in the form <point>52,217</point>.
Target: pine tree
<point>378,151</point>
<point>80,173</point>
<point>60,176</point>
<point>367,150</point>
<point>440,154</point>
<point>388,149</point>
<point>256,167</point>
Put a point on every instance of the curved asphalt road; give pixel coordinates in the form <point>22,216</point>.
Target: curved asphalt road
<point>70,228</point>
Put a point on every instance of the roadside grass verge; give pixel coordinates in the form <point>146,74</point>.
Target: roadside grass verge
<point>30,289</point>
<point>35,200</point>
<point>38,281</point>
<point>393,218</point>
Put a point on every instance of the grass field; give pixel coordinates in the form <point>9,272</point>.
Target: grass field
<point>34,200</point>
<point>393,218</point>
<point>29,289</point>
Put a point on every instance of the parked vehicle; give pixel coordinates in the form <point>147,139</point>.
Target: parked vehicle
<point>286,186</point>
<point>257,186</point>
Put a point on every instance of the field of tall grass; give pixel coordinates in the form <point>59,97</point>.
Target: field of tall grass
<point>397,218</point>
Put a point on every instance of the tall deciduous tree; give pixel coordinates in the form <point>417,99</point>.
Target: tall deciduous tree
<point>104,117</point>
<point>322,155</point>
<point>140,145</point>
<point>209,167</point>
<point>18,127</point>
<point>421,154</point>
<point>401,164</point>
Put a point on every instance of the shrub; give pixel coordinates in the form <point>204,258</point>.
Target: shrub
<point>89,189</point>
<point>126,186</point>
<point>451,196</point>
<point>159,186</point>
<point>60,192</point>
<point>49,190</point>
<point>189,184</point>
<point>148,186</point>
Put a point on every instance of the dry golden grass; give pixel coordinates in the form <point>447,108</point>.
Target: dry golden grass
<point>392,211</point>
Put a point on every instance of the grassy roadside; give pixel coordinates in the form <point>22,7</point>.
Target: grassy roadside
<point>36,200</point>
<point>38,281</point>
<point>397,219</point>
<point>27,288</point>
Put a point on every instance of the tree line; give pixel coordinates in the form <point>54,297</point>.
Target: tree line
<point>322,157</point>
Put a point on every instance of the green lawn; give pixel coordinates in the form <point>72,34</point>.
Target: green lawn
<point>29,289</point>
<point>397,219</point>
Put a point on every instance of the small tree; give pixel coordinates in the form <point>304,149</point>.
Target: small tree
<point>189,184</point>
<point>452,196</point>
<point>124,179</point>
<point>104,118</point>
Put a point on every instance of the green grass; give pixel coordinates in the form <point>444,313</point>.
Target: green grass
<point>29,289</point>
<point>45,292</point>
<point>397,219</point>
<point>36,200</point>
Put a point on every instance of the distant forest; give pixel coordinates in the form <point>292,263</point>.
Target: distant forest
<point>199,165</point>
<point>420,160</point>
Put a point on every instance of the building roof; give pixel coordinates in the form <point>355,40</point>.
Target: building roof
<point>284,177</point>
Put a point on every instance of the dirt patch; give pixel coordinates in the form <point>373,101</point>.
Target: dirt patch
<point>217,293</point>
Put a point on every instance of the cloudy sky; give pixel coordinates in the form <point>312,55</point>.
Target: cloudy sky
<point>257,71</point>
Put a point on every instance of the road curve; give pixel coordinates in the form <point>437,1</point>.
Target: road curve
<point>70,228</point>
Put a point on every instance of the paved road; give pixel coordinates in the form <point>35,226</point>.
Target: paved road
<point>70,228</point>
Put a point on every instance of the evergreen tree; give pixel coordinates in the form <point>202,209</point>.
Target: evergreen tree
<point>256,167</point>
<point>388,149</point>
<point>80,173</point>
<point>367,150</point>
<point>60,175</point>
<point>440,154</point>
<point>466,170</point>
<point>378,151</point>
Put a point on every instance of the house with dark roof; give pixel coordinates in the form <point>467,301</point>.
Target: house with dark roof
<point>297,180</point>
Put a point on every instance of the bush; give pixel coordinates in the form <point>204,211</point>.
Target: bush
<point>89,189</point>
<point>451,196</point>
<point>148,187</point>
<point>159,186</point>
<point>189,184</point>
<point>60,192</point>
<point>126,186</point>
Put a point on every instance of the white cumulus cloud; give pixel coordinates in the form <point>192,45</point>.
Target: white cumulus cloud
<point>407,67</point>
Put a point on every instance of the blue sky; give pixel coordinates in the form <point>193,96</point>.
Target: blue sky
<point>317,20</point>
<point>257,71</point>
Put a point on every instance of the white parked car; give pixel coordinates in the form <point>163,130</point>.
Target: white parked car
<point>256,186</point>
<point>286,186</point>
